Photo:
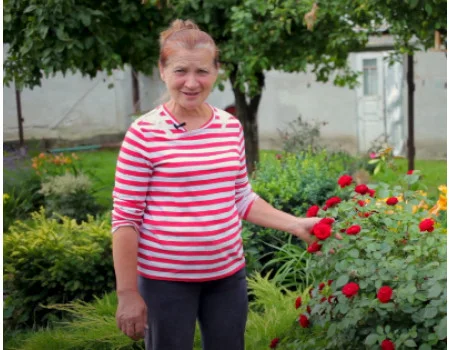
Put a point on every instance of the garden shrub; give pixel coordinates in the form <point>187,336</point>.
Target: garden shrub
<point>69,195</point>
<point>47,261</point>
<point>20,195</point>
<point>385,285</point>
<point>291,183</point>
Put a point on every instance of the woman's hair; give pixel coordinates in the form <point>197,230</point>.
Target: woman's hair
<point>185,35</point>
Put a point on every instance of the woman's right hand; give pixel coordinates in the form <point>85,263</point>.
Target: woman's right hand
<point>131,315</point>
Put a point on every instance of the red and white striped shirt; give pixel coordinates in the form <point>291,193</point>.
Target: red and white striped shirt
<point>185,192</point>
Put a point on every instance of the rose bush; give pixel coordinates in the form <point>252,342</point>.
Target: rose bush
<point>389,280</point>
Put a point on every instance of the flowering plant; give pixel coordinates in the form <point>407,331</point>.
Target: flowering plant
<point>386,279</point>
<point>48,164</point>
<point>381,160</point>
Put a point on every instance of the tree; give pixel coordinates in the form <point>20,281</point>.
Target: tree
<point>254,36</point>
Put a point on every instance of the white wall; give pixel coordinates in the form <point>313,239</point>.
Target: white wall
<point>74,107</point>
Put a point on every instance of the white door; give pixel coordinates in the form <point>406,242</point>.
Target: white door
<point>370,100</point>
<point>379,102</point>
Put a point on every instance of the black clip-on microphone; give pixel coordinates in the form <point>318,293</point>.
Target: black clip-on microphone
<point>177,126</point>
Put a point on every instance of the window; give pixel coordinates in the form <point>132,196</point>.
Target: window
<point>370,76</point>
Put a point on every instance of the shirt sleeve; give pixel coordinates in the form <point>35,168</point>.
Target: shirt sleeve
<point>132,179</point>
<point>245,197</point>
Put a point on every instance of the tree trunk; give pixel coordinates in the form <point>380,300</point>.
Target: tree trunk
<point>246,111</point>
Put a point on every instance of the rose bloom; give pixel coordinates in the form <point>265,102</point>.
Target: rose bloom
<point>353,230</point>
<point>314,247</point>
<point>322,231</point>
<point>361,189</point>
<point>387,345</point>
<point>361,203</point>
<point>298,302</point>
<point>392,201</point>
<point>410,172</point>
<point>312,211</point>
<point>332,202</point>
<point>426,225</point>
<point>303,321</point>
<point>350,289</point>
<point>327,221</point>
<point>371,192</point>
<point>345,180</point>
<point>308,309</point>
<point>384,294</point>
<point>274,343</point>
<point>321,285</point>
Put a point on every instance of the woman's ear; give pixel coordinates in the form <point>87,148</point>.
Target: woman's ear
<point>161,71</point>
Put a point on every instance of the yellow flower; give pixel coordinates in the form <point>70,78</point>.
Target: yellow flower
<point>5,197</point>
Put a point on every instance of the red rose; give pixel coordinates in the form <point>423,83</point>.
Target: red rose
<point>278,156</point>
<point>332,202</point>
<point>392,201</point>
<point>308,309</point>
<point>353,230</point>
<point>345,180</point>
<point>314,247</point>
<point>321,285</point>
<point>329,282</point>
<point>312,211</point>
<point>371,192</point>
<point>362,203</point>
<point>384,294</point>
<point>324,208</point>
<point>298,302</point>
<point>327,221</point>
<point>361,189</point>
<point>410,172</point>
<point>426,225</point>
<point>303,320</point>
<point>350,289</point>
<point>387,345</point>
<point>274,343</point>
<point>323,299</point>
<point>322,231</point>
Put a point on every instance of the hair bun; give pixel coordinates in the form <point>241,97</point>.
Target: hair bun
<point>176,26</point>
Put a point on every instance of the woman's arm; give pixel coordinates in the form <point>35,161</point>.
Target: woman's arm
<point>263,214</point>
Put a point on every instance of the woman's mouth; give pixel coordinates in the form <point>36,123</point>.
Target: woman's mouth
<point>191,93</point>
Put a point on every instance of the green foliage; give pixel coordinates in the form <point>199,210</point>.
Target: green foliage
<point>389,251</point>
<point>272,314</point>
<point>292,183</point>
<point>20,195</point>
<point>46,37</point>
<point>47,262</point>
<point>69,195</point>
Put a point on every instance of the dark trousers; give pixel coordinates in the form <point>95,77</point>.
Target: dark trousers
<point>220,306</point>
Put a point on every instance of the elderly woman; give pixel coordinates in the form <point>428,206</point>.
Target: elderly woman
<point>181,191</point>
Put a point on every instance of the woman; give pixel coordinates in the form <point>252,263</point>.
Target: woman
<point>181,191</point>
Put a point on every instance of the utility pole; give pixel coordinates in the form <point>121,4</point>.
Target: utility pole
<point>411,88</point>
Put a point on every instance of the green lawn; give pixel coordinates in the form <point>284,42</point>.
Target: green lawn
<point>434,173</point>
<point>101,164</point>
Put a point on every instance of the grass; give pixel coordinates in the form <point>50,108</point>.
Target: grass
<point>101,165</point>
<point>434,174</point>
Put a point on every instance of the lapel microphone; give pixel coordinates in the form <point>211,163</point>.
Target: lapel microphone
<point>177,126</point>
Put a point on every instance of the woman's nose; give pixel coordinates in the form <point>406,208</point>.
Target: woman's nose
<point>191,81</point>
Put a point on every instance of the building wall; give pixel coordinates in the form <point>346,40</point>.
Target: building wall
<point>75,107</point>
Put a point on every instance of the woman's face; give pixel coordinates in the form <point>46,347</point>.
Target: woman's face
<point>189,76</point>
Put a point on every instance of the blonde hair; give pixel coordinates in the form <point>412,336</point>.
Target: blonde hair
<point>187,35</point>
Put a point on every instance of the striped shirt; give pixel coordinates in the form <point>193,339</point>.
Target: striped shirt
<point>185,193</point>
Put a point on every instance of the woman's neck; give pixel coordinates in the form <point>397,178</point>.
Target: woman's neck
<point>202,113</point>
